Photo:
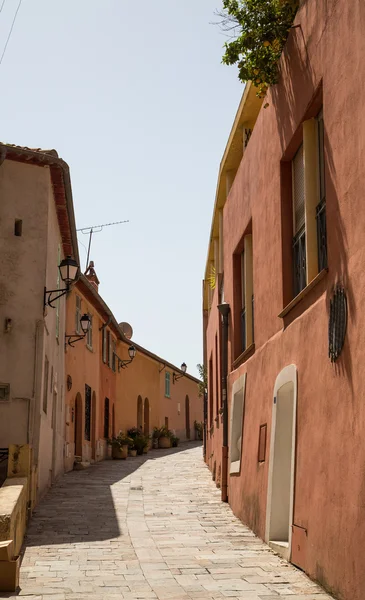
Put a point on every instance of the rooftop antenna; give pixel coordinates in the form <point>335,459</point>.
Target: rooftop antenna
<point>96,229</point>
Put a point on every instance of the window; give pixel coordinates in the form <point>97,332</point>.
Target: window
<point>299,251</point>
<point>237,419</point>
<point>167,384</point>
<point>106,418</point>
<point>78,315</point>
<point>58,287</point>
<point>114,356</point>
<point>110,350</point>
<point>243,269</point>
<point>321,206</point>
<point>262,443</point>
<point>104,344</point>
<point>210,390</point>
<point>18,227</point>
<point>309,205</point>
<point>89,335</point>
<point>87,412</point>
<point>45,384</point>
<point>216,380</point>
<point>243,307</point>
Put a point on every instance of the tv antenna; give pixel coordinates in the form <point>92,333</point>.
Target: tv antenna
<point>96,229</point>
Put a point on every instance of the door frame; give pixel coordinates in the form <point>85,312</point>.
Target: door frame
<point>288,375</point>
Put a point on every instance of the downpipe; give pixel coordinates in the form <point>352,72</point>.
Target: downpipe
<point>224,310</point>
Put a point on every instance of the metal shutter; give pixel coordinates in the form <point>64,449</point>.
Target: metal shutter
<point>298,190</point>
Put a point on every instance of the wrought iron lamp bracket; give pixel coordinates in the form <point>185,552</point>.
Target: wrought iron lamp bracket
<point>72,339</point>
<point>48,300</point>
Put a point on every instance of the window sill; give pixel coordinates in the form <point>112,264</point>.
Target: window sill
<point>321,275</point>
<point>169,397</point>
<point>244,356</point>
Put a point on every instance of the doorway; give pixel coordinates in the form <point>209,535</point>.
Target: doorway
<point>54,434</point>
<point>93,427</point>
<point>139,412</point>
<point>187,417</point>
<point>146,417</point>
<point>282,460</point>
<point>78,425</point>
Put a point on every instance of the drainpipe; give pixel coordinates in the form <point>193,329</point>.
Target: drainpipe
<point>224,310</point>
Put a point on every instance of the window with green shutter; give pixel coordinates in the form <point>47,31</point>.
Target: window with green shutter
<point>167,384</point>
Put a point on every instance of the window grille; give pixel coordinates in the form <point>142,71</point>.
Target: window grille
<point>106,418</point>
<point>87,412</point>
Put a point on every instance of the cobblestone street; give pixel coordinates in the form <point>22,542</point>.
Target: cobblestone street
<point>150,527</point>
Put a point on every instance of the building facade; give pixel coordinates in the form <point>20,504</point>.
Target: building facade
<point>38,231</point>
<point>107,392</point>
<point>285,263</point>
<point>90,375</point>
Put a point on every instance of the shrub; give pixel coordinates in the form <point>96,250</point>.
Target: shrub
<point>174,441</point>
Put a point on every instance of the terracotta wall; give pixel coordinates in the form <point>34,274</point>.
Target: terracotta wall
<point>85,366</point>
<point>330,411</point>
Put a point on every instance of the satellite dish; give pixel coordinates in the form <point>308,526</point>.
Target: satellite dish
<point>127,330</point>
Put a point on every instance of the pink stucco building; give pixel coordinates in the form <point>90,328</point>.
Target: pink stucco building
<point>288,250</point>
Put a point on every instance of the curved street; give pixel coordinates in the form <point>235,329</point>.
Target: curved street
<point>149,527</point>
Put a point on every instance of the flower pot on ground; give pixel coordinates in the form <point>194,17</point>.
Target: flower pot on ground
<point>120,444</point>
<point>174,441</point>
<point>155,437</point>
<point>140,442</point>
<point>164,442</point>
<point>120,453</point>
<point>198,428</point>
<point>132,452</point>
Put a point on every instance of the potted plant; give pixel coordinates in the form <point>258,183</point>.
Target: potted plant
<point>155,437</point>
<point>198,427</point>
<point>133,433</point>
<point>120,444</point>
<point>174,441</point>
<point>139,443</point>
<point>164,441</point>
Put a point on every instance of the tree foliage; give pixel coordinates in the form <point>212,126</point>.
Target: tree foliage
<point>203,384</point>
<point>258,31</point>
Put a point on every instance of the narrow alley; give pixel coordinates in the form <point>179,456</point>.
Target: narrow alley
<point>152,527</point>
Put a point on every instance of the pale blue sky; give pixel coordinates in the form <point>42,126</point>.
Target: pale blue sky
<point>134,97</point>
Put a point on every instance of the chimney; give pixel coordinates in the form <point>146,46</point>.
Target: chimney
<point>92,276</point>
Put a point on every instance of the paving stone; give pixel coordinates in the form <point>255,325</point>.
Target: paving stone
<point>149,528</point>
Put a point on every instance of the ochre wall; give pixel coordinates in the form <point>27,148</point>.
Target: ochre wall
<point>174,408</point>
<point>139,378</point>
<point>330,453</point>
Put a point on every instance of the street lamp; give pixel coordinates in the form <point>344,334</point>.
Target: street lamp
<point>123,363</point>
<point>85,323</point>
<point>176,377</point>
<point>68,268</point>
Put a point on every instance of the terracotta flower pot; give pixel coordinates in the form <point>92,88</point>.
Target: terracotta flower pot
<point>120,453</point>
<point>133,452</point>
<point>164,442</point>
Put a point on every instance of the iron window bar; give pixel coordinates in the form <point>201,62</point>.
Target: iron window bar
<point>321,235</point>
<point>299,262</point>
<point>243,329</point>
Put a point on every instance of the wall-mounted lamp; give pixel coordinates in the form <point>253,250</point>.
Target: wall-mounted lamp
<point>85,323</point>
<point>68,271</point>
<point>123,363</point>
<point>176,377</point>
